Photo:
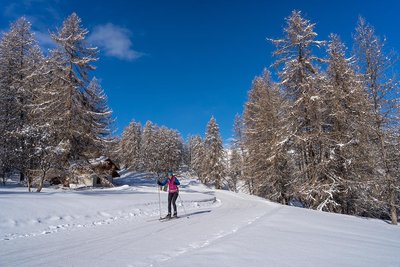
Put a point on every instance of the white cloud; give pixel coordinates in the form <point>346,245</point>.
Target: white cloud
<point>115,41</point>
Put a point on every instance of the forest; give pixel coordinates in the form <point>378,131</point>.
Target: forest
<point>320,127</point>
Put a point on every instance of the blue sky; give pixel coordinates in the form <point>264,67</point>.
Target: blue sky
<point>177,63</point>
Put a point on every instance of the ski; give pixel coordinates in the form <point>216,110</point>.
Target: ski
<point>162,219</point>
<point>165,219</point>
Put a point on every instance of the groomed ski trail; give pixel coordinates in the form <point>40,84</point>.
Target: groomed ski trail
<point>120,227</point>
<point>139,242</point>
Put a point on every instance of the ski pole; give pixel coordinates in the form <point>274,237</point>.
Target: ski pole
<point>159,200</point>
<point>183,206</point>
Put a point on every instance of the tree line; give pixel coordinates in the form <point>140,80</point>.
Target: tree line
<point>54,114</point>
<point>158,149</point>
<point>325,131</point>
<point>151,148</point>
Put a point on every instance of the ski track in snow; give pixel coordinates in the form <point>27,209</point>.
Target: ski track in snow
<point>168,256</point>
<point>204,243</point>
<point>131,215</point>
<point>67,222</point>
<point>68,226</point>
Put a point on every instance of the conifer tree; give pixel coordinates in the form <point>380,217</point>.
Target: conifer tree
<point>264,141</point>
<point>374,65</point>
<point>197,156</point>
<point>168,150</point>
<point>131,146</point>
<point>149,147</point>
<point>18,51</point>
<point>98,119</point>
<point>69,66</point>
<point>347,131</point>
<point>302,84</point>
<point>235,160</point>
<point>186,154</point>
<point>49,113</point>
<point>214,154</point>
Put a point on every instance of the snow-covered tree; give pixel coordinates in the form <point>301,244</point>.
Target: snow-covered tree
<point>18,62</point>
<point>197,156</point>
<point>155,149</point>
<point>375,64</point>
<point>214,154</point>
<point>303,84</point>
<point>131,146</point>
<point>234,169</point>
<point>235,157</point>
<point>186,153</point>
<point>69,66</point>
<point>49,113</point>
<point>98,119</point>
<point>169,150</point>
<point>42,149</point>
<point>43,153</point>
<point>346,134</point>
<point>149,148</point>
<point>264,141</point>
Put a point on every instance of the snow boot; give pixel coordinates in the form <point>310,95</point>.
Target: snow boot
<point>175,215</point>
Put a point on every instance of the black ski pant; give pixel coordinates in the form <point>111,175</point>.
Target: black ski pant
<point>172,200</point>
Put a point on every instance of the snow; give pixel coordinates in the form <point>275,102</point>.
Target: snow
<point>119,227</point>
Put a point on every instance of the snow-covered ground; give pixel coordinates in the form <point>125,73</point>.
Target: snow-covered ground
<point>120,227</point>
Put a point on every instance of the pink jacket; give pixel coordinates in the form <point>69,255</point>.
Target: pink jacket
<point>173,185</point>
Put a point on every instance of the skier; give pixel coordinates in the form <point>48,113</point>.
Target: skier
<point>173,192</point>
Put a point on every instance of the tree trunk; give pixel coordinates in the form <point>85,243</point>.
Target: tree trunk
<point>217,183</point>
<point>388,178</point>
<point>394,215</point>
<point>40,187</point>
<point>29,184</point>
<point>393,208</point>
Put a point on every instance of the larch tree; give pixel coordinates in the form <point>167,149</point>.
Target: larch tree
<point>149,151</point>
<point>264,141</point>
<point>98,119</point>
<point>169,150</point>
<point>197,151</point>
<point>49,113</point>
<point>153,149</point>
<point>235,157</point>
<point>69,66</point>
<point>47,106</point>
<point>303,84</point>
<point>186,154</point>
<point>347,119</point>
<point>375,65</point>
<point>214,154</point>
<point>42,152</point>
<point>17,65</point>
<point>131,146</point>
